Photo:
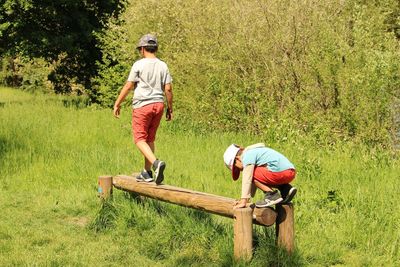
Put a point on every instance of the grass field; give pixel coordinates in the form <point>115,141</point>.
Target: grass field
<point>52,151</point>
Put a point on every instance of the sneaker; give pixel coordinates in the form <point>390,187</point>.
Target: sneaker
<point>270,198</point>
<point>287,192</point>
<point>158,167</point>
<point>145,176</point>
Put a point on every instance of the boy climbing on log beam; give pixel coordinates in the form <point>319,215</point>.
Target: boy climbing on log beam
<point>150,79</point>
<point>262,168</point>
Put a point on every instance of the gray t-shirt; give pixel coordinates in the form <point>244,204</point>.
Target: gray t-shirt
<point>151,75</point>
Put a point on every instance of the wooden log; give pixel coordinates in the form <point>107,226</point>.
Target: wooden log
<point>285,227</point>
<point>193,199</point>
<point>243,234</point>
<point>105,186</point>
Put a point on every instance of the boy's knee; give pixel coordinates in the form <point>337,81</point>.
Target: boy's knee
<point>139,141</point>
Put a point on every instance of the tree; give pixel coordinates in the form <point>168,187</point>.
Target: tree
<point>61,31</point>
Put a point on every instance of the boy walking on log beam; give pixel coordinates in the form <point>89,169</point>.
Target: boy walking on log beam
<point>262,168</point>
<point>150,79</point>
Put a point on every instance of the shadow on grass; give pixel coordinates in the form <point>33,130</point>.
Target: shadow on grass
<point>268,253</point>
<point>13,103</point>
<point>3,150</point>
<point>78,102</point>
<point>170,231</point>
<point>162,209</point>
<point>165,230</point>
<point>282,258</point>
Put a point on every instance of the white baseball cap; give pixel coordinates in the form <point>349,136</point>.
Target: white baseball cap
<point>229,159</point>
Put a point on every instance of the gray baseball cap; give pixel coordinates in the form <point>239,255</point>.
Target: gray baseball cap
<point>147,40</point>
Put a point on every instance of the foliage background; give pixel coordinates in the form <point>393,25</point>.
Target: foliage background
<point>59,33</point>
<point>323,70</point>
<point>327,70</point>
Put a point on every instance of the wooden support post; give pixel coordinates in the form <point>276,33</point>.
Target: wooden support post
<point>105,186</point>
<point>243,234</point>
<point>285,227</point>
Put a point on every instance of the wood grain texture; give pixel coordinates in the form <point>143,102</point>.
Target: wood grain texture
<point>243,234</point>
<point>193,199</point>
<point>285,227</point>
<point>104,188</point>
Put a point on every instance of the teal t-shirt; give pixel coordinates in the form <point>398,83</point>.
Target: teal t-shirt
<point>275,161</point>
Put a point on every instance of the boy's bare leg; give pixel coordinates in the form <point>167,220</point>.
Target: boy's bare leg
<point>158,165</point>
<point>262,186</point>
<point>147,163</point>
<point>147,150</point>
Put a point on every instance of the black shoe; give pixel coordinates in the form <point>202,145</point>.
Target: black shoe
<point>158,167</point>
<point>145,176</point>
<point>270,199</point>
<point>287,192</point>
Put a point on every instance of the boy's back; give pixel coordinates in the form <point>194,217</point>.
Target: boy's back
<point>150,74</point>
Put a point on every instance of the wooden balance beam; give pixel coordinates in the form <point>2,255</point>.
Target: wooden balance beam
<point>244,217</point>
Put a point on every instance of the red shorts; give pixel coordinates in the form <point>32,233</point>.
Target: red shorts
<point>145,122</point>
<point>265,176</point>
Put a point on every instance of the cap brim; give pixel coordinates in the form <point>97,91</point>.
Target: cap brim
<point>146,45</point>
<point>235,173</point>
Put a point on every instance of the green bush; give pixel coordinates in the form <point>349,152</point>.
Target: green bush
<point>9,72</point>
<point>326,71</point>
<point>29,75</point>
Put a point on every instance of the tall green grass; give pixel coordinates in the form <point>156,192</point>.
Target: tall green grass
<point>51,153</point>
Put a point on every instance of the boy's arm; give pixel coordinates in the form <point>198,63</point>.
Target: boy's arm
<point>247,180</point>
<point>169,96</point>
<point>124,92</point>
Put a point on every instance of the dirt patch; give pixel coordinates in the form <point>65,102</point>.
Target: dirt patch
<point>79,221</point>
